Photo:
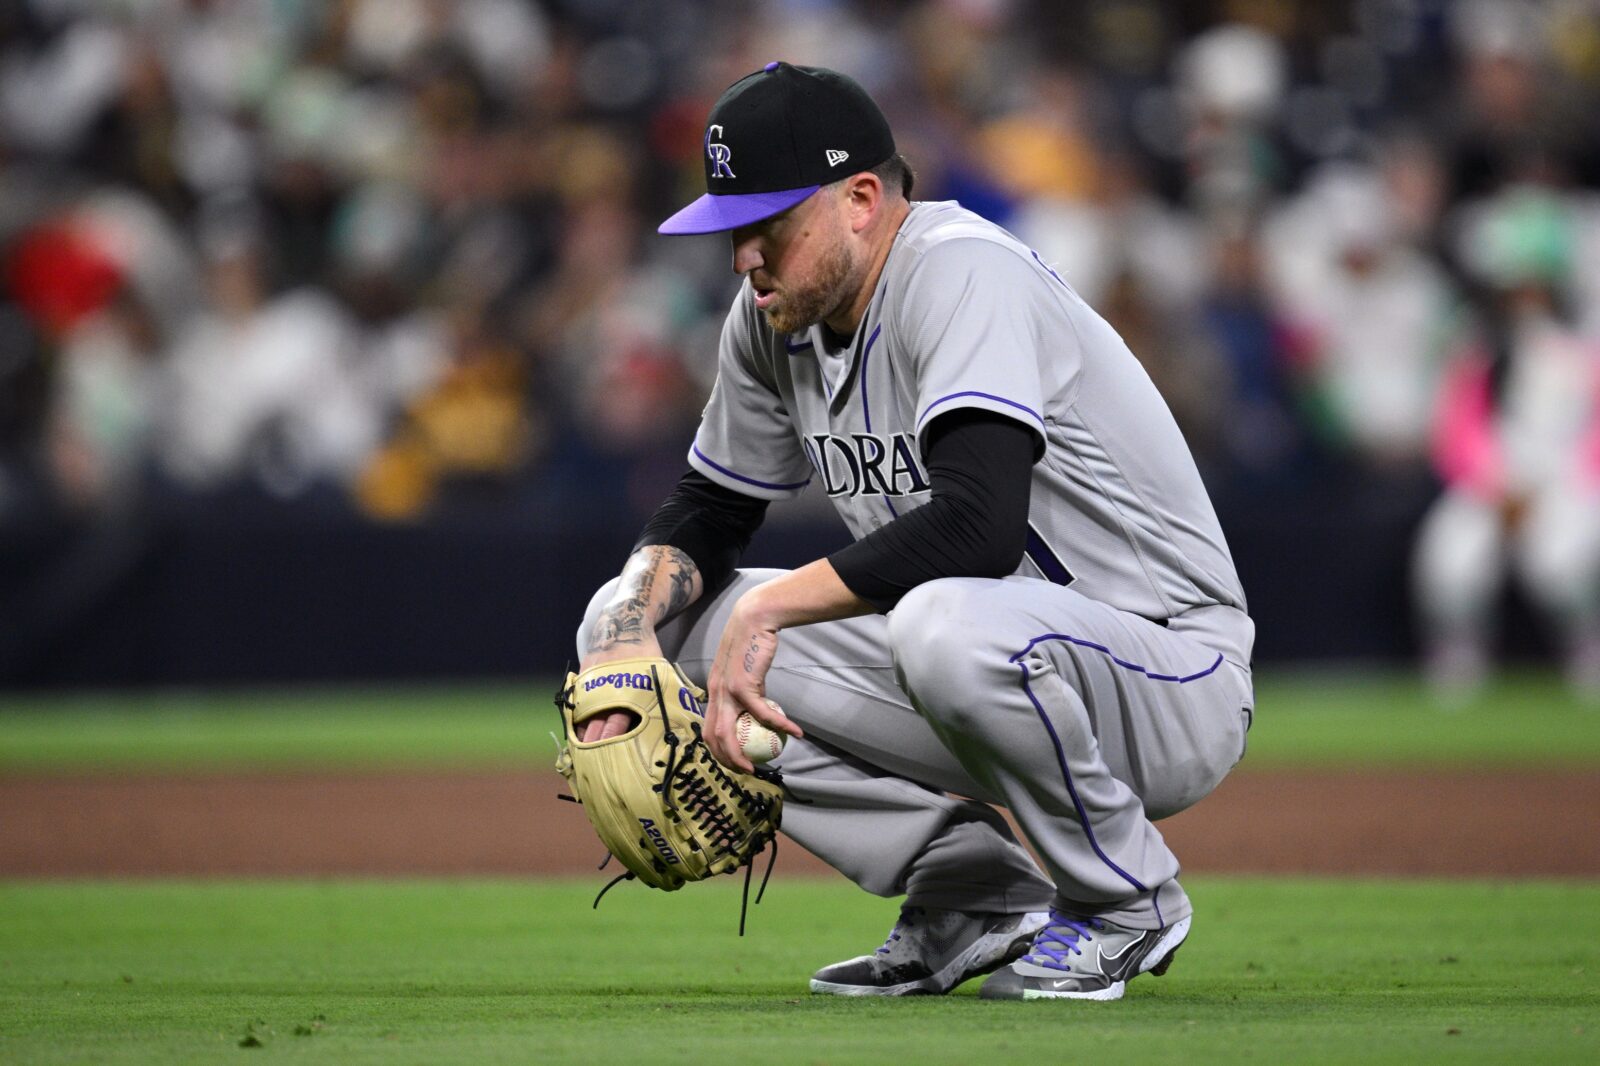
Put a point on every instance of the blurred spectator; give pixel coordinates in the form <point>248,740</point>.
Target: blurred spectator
<point>1231,81</point>
<point>259,388</point>
<point>472,425</point>
<point>104,408</point>
<point>1119,227</point>
<point>1372,318</point>
<point>1518,445</point>
<point>612,330</point>
<point>1260,435</point>
<point>1181,360</point>
<point>1514,118</point>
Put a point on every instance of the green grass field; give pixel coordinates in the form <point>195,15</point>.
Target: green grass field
<point>503,972</point>
<point>1301,720</point>
<point>1282,970</point>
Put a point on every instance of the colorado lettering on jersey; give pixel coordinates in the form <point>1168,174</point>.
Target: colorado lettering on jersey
<point>867,464</point>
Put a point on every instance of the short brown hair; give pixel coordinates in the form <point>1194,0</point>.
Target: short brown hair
<point>896,171</point>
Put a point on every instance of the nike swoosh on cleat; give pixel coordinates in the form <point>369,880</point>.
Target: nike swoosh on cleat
<point>1101,954</point>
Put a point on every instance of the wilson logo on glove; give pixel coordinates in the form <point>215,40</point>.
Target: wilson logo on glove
<point>638,681</point>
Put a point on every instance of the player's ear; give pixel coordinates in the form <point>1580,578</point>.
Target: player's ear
<point>863,198</point>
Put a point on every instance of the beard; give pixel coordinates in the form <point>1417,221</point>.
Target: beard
<point>805,305</point>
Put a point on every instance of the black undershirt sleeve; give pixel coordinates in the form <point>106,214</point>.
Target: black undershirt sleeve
<point>980,470</point>
<point>710,524</point>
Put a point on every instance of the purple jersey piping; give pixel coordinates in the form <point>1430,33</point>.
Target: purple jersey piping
<point>1048,562</point>
<point>987,396</point>
<point>1066,775</point>
<point>1055,739</point>
<point>719,468</point>
<point>866,408</point>
<point>1049,269</point>
<point>1124,663</point>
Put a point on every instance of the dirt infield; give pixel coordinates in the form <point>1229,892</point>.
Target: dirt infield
<point>1412,823</point>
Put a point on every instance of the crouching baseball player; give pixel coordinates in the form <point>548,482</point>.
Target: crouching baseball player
<point>1038,610</point>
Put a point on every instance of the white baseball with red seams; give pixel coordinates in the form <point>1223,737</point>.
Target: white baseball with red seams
<point>759,744</point>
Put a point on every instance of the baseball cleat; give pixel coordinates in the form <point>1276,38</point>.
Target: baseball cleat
<point>930,951</point>
<point>1085,959</point>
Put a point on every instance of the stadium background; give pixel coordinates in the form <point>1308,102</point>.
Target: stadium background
<point>339,362</point>
<point>338,342</point>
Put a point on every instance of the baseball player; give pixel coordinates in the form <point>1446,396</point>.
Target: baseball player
<point>1038,610</point>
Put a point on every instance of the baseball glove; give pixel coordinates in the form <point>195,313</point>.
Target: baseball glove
<point>660,803</point>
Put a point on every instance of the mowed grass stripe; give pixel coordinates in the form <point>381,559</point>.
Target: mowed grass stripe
<point>281,729</point>
<point>476,972</point>
<point>1302,719</point>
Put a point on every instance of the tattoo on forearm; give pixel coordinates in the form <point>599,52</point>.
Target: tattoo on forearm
<point>616,628</point>
<point>682,576</point>
<point>624,620</point>
<point>750,656</point>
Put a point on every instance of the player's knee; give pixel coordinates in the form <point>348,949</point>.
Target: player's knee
<point>939,637</point>
<point>596,602</point>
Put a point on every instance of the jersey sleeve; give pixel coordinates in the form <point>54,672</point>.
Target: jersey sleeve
<point>747,441</point>
<point>969,317</point>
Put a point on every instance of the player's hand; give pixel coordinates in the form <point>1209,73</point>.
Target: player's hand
<point>657,582</point>
<point>738,684</point>
<point>616,723</point>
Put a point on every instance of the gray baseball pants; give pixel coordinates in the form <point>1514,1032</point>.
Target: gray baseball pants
<point>1086,722</point>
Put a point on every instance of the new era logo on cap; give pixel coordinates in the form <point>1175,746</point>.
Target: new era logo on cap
<point>835,157</point>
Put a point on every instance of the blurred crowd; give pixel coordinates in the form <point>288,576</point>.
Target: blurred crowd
<point>399,255</point>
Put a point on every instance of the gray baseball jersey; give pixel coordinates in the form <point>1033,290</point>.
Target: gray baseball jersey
<point>1104,685</point>
<point>966,316</point>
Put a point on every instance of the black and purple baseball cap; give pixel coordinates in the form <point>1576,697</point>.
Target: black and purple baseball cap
<point>777,136</point>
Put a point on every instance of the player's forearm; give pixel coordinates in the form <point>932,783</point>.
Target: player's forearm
<point>813,593</point>
<point>658,582</point>
<point>708,522</point>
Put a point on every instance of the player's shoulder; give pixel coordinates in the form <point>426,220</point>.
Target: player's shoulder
<point>945,233</point>
<point>942,244</point>
<point>932,225</point>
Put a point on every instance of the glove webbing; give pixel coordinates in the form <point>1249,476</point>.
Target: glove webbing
<point>705,807</point>
<point>702,801</point>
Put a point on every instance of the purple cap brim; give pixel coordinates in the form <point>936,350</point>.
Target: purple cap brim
<point>713,214</point>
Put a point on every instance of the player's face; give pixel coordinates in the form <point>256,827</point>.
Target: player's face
<point>801,263</point>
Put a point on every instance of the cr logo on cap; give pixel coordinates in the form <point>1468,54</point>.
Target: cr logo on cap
<point>719,154</point>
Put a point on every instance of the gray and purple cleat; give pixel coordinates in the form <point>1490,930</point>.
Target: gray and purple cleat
<point>930,951</point>
<point>1085,958</point>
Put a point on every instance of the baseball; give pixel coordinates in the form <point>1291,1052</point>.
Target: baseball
<point>759,744</point>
